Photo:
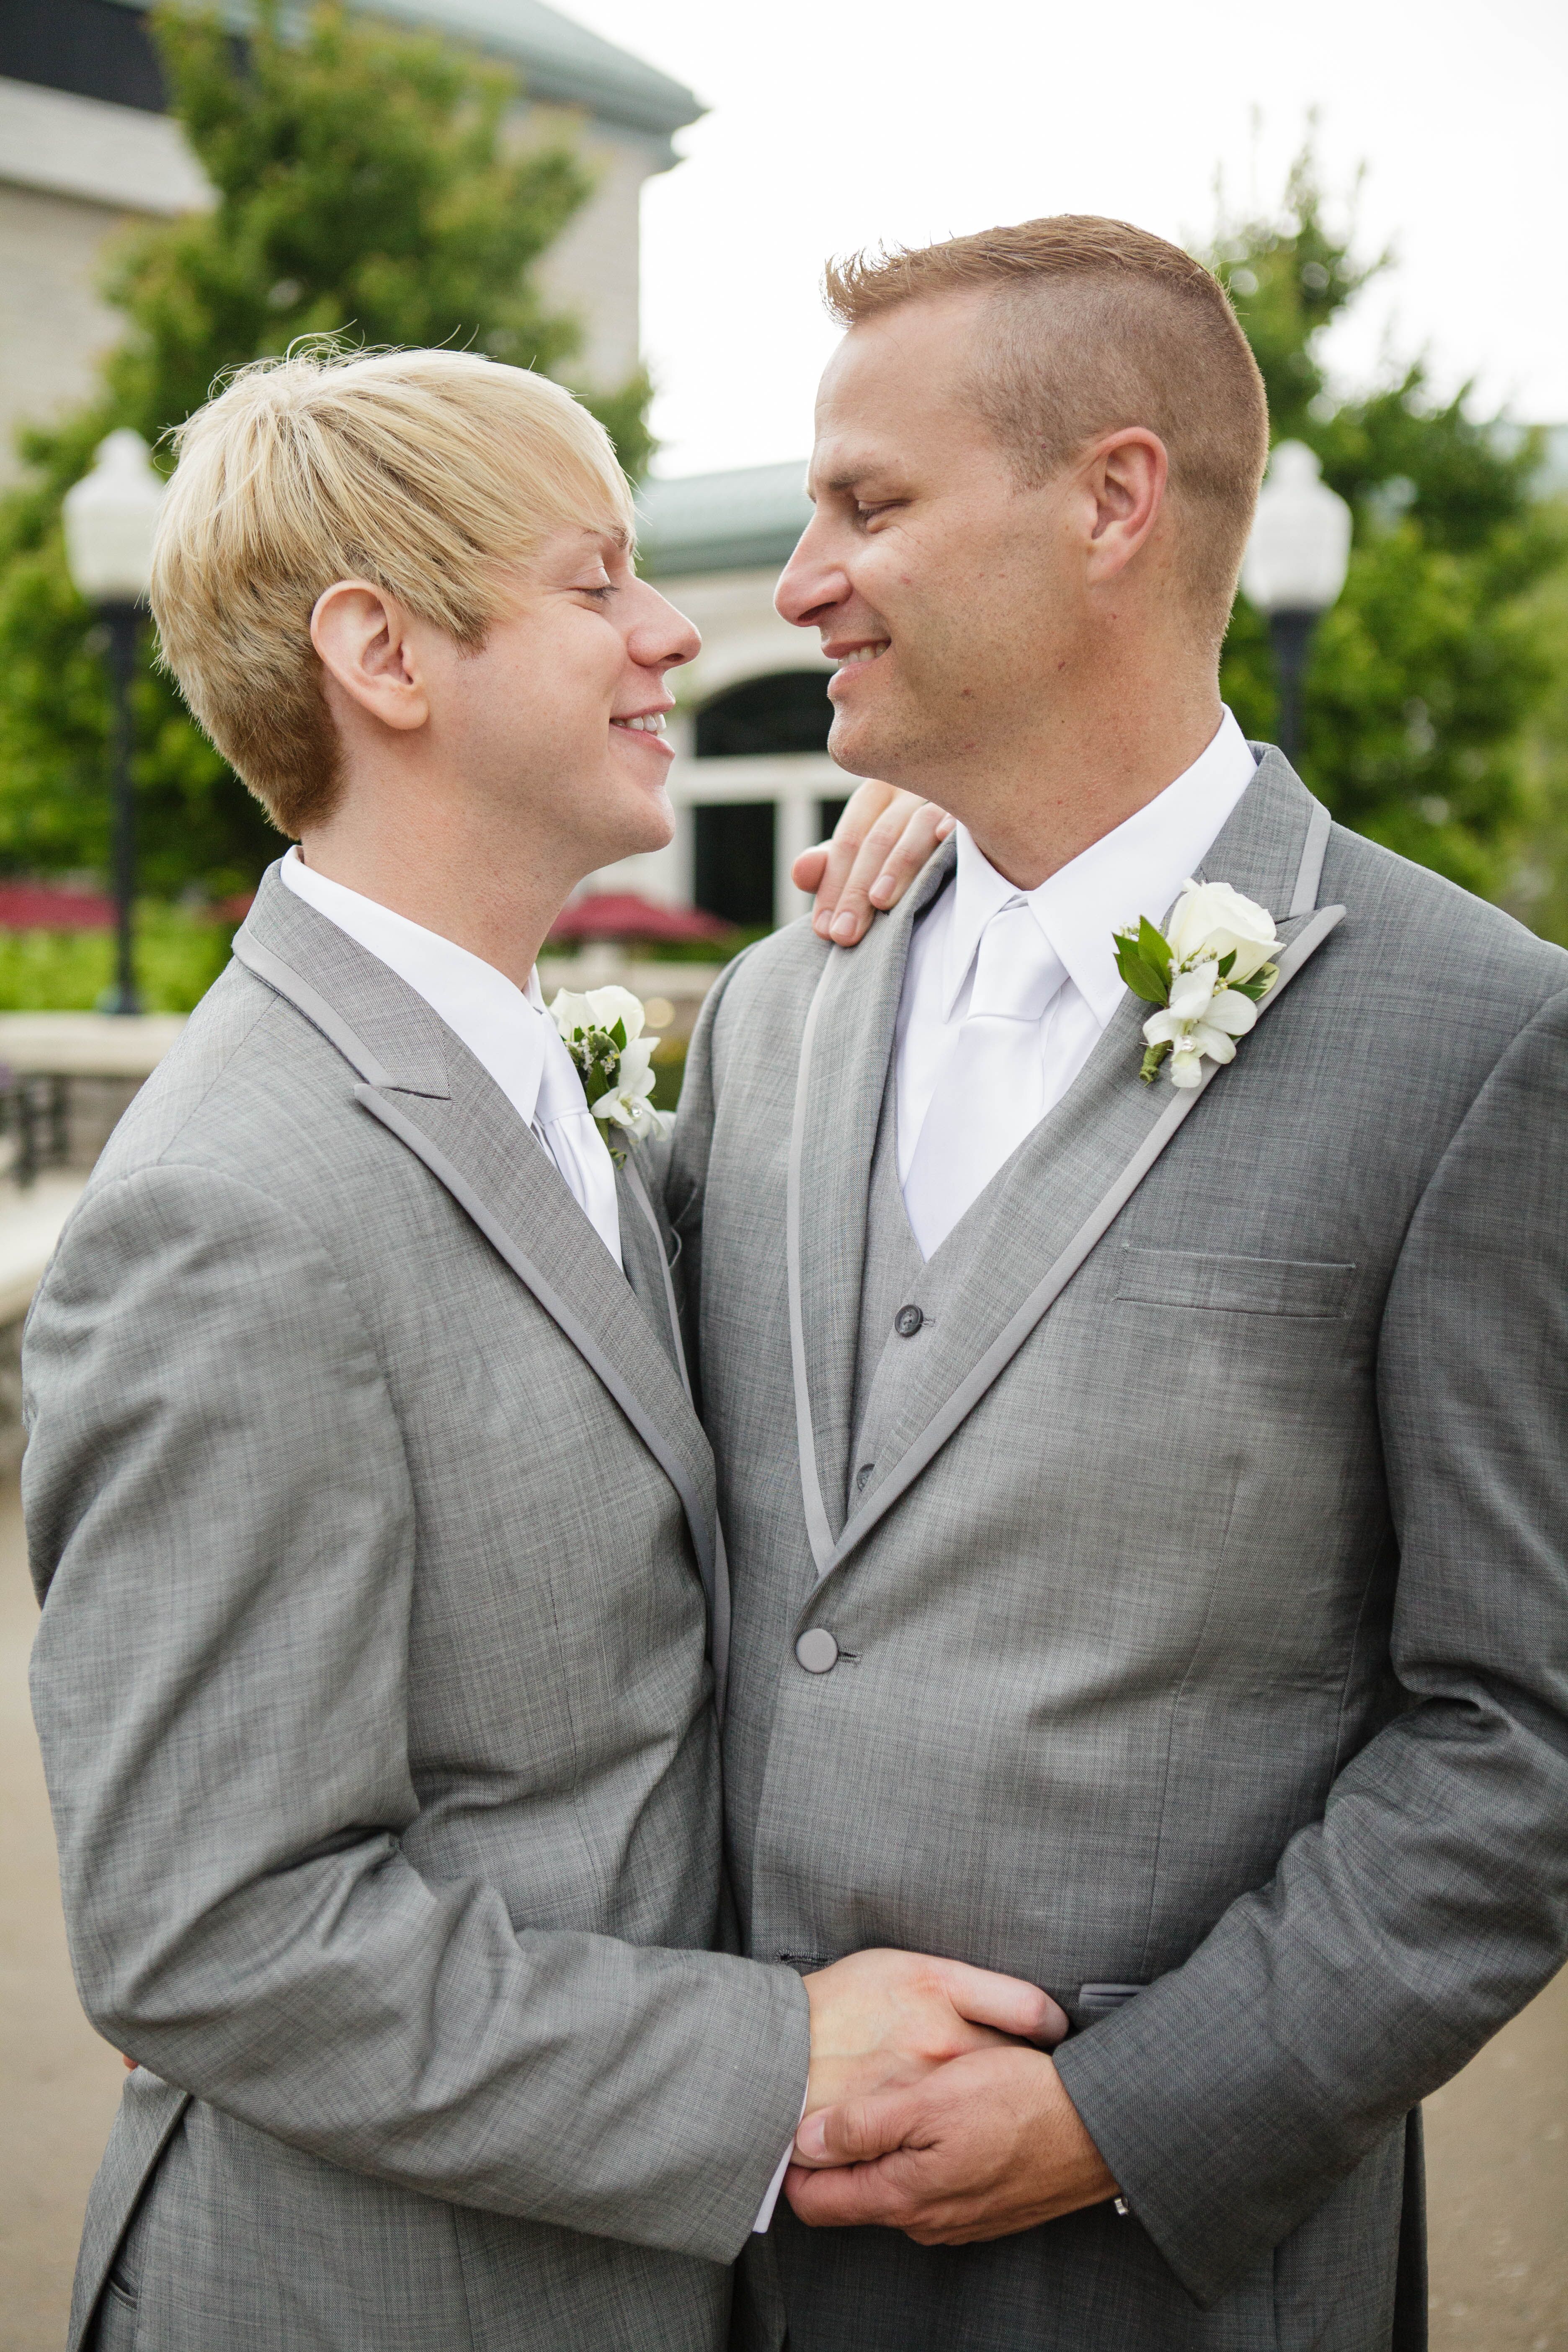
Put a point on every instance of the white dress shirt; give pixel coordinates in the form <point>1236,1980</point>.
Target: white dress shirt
<point>506,1029</point>
<point>1071,978</point>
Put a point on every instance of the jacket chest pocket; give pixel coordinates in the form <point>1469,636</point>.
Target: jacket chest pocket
<point>1307,1288</point>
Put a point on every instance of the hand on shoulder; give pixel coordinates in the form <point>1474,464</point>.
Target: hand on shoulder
<point>878,846</point>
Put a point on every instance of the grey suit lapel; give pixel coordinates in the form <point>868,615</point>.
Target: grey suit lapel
<point>420,1082</point>
<point>1034,1226</point>
<point>645,1254</point>
<point>845,1050</point>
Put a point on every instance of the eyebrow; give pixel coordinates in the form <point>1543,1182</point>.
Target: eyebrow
<point>847,478</point>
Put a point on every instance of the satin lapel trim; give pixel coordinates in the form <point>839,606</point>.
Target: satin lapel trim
<point>284,981</point>
<point>962,1400</point>
<point>839,1084</point>
<point>642,1244</point>
<point>604,1319</point>
<point>651,1238</point>
<point>381,1026</point>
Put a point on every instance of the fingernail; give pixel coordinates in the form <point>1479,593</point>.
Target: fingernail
<point>821,924</point>
<point>882,889</point>
<point>844,929</point>
<point>811,2139</point>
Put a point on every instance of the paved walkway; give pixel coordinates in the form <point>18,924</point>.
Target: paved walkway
<point>1497,2136</point>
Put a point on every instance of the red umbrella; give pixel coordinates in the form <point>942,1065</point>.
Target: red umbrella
<point>41,907</point>
<point>624,915</point>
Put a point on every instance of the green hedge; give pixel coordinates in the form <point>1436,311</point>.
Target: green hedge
<point>178,957</point>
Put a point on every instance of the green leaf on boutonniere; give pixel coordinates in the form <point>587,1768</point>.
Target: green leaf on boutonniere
<point>1154,946</point>
<point>1258,986</point>
<point>1153,1058</point>
<point>1141,970</point>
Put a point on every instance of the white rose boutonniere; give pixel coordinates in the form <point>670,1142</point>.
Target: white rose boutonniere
<point>1208,975</point>
<point>603,1032</point>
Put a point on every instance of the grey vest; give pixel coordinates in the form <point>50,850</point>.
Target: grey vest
<point>896,1285</point>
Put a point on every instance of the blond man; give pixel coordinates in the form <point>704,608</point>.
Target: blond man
<point>374,1527</point>
<point>1145,1499</point>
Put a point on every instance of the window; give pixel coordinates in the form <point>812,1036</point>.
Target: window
<point>789,712</point>
<point>732,862</point>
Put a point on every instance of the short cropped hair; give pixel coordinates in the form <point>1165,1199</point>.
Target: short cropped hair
<point>429,473</point>
<point>1095,326</point>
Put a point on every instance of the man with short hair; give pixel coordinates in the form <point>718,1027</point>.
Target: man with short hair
<point>1140,1425</point>
<point>371,1521</point>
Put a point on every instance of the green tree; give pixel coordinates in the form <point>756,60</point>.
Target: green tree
<point>365,185</point>
<point>1424,676</point>
<point>1539,892</point>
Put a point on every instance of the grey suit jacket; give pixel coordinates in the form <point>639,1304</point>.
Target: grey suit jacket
<point>372,1523</point>
<point>1203,1620</point>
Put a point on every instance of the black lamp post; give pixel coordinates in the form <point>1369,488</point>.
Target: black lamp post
<point>1294,569</point>
<point>111,518</point>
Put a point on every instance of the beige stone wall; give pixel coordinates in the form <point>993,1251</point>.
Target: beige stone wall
<point>53,323</point>
<point>592,271</point>
<point>74,171</point>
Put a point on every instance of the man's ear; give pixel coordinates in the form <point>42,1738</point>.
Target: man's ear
<point>1125,479</point>
<point>363,638</point>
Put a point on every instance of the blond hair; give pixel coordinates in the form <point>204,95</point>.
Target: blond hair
<point>1132,331</point>
<point>426,472</point>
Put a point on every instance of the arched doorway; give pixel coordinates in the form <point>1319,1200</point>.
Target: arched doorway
<point>736,847</point>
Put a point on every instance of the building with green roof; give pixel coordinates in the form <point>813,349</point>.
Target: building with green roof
<point>86,144</point>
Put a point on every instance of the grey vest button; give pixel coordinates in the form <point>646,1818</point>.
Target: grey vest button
<point>818,1651</point>
<point>908,1321</point>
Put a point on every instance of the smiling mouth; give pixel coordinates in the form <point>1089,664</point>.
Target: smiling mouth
<point>858,654</point>
<point>652,723</point>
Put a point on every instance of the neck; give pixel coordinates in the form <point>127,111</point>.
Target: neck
<point>1083,772</point>
<point>435,858</point>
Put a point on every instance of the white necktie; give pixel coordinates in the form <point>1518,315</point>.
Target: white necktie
<point>992,1091</point>
<point>575,1141</point>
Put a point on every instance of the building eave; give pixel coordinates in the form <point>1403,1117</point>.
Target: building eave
<point>561,63</point>
<point>741,521</point>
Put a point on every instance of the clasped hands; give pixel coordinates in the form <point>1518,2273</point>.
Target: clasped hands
<point>933,2106</point>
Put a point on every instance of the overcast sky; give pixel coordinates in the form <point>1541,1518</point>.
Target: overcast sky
<point>831,126</point>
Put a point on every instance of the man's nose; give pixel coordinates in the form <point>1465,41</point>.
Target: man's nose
<point>812,581</point>
<point>663,638</point>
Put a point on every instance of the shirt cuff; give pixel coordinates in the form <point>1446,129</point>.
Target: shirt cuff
<point>765,2209</point>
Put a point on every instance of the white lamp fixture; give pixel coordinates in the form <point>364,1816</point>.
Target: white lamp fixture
<point>1294,567</point>
<point>110,516</point>
<point>1299,551</point>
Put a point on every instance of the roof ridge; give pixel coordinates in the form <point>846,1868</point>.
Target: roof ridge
<point>563,62</point>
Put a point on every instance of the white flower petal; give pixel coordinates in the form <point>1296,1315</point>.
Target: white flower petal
<point>1212,1042</point>
<point>1191,992</point>
<point>569,1013</point>
<point>1233,1013</point>
<point>1164,1029</point>
<point>1213,918</point>
<point>1252,955</point>
<point>608,1005</point>
<point>636,1071</point>
<point>1186,1070</point>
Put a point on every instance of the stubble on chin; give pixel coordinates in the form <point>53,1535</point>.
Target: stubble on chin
<point>914,741</point>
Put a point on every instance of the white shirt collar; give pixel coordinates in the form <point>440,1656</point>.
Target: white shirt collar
<point>502,1025</point>
<point>1138,869</point>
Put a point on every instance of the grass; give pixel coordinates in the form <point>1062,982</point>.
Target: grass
<point>178,957</point>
